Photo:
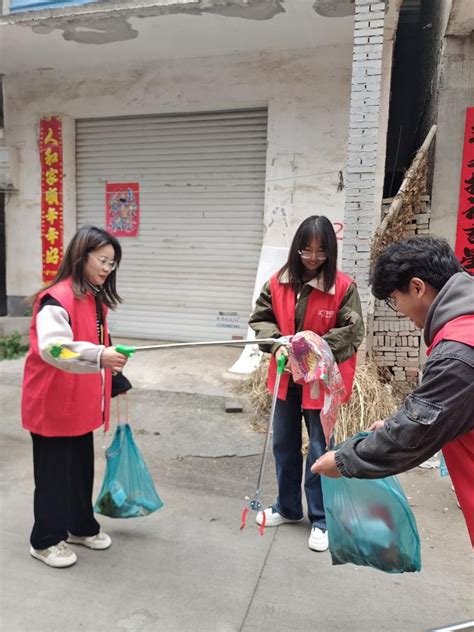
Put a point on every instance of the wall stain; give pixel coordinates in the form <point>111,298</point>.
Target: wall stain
<point>261,10</point>
<point>334,8</point>
<point>338,8</point>
<point>277,210</point>
<point>98,32</point>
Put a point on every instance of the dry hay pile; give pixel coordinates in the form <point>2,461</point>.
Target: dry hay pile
<point>255,387</point>
<point>398,224</point>
<point>372,399</point>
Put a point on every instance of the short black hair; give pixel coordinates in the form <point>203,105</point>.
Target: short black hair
<point>320,227</point>
<point>430,259</point>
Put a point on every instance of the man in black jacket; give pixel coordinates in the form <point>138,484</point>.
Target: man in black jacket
<point>421,278</point>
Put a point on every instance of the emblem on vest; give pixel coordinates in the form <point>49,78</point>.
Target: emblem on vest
<point>326,313</point>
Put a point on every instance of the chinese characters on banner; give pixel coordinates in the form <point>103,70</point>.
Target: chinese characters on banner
<point>51,155</point>
<point>465,228</point>
<point>122,208</point>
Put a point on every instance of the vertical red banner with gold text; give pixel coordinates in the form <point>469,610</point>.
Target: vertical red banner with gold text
<point>51,155</point>
<point>465,228</point>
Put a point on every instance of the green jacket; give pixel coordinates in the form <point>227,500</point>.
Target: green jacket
<point>343,340</point>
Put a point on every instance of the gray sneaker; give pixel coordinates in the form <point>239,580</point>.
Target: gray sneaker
<point>98,542</point>
<point>58,556</point>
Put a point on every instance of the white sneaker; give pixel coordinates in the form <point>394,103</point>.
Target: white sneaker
<point>98,542</point>
<point>318,540</point>
<point>273,518</point>
<point>58,556</point>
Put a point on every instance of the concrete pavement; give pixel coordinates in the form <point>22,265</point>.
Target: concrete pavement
<point>189,567</point>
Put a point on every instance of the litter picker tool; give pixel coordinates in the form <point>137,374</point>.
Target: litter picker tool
<point>129,351</point>
<point>255,503</point>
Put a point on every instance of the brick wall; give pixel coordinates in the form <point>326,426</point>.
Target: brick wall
<point>362,145</point>
<point>396,341</point>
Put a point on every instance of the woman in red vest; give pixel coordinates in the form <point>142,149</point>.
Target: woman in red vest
<point>308,293</point>
<point>66,393</point>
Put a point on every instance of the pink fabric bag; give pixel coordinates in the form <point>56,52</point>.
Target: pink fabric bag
<point>311,361</point>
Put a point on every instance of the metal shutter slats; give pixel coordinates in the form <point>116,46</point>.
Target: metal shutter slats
<point>189,275</point>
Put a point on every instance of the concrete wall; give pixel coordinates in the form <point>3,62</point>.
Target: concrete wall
<point>455,95</point>
<point>307,94</point>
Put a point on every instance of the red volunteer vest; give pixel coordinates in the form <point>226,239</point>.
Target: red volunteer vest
<point>459,454</point>
<point>56,403</point>
<point>320,317</point>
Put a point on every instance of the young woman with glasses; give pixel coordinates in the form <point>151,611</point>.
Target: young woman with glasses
<point>66,393</point>
<point>307,293</point>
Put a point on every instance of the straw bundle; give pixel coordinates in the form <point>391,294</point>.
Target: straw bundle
<point>372,399</point>
<point>259,398</point>
<point>405,204</point>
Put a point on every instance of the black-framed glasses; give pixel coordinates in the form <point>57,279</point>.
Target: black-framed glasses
<point>307,254</point>
<point>390,302</point>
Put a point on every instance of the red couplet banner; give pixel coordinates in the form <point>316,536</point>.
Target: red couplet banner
<point>465,227</point>
<point>51,156</point>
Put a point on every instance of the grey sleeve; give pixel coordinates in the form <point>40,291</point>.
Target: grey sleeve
<point>437,412</point>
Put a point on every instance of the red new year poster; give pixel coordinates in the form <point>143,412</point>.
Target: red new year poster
<point>465,228</point>
<point>122,208</point>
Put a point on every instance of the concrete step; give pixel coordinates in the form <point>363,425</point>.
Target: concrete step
<point>9,324</point>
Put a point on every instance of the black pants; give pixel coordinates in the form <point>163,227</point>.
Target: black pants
<point>64,476</point>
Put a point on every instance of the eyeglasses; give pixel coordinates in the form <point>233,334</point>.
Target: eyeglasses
<point>390,302</point>
<point>307,254</point>
<point>106,263</point>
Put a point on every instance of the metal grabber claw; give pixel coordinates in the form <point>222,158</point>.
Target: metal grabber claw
<point>255,504</point>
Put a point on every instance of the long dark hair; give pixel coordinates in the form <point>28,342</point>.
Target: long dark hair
<point>320,227</point>
<point>86,240</point>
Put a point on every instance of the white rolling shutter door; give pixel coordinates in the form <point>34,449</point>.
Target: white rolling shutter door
<point>190,272</point>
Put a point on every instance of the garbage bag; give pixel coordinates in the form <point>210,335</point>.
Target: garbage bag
<point>370,523</point>
<point>127,490</point>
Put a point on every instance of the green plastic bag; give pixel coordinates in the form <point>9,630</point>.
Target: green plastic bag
<point>128,490</point>
<point>370,523</point>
